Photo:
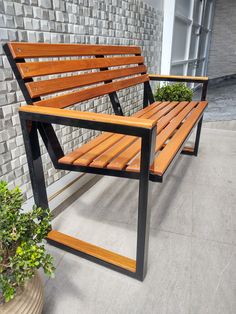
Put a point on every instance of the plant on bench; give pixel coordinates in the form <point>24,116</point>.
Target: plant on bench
<point>141,147</point>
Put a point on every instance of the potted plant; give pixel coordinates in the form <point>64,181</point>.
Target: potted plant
<point>173,92</point>
<point>22,253</point>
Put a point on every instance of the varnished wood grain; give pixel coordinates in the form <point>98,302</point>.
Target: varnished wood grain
<point>90,249</point>
<point>90,116</point>
<point>71,157</point>
<point>188,78</point>
<point>121,160</point>
<point>165,157</point>
<point>165,134</point>
<point>34,50</point>
<point>32,69</point>
<point>44,87</point>
<point>89,93</point>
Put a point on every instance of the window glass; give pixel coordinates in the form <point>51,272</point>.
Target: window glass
<point>177,70</point>
<point>179,40</point>
<point>183,7</point>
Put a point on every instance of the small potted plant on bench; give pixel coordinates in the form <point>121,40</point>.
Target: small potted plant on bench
<point>173,92</point>
<point>22,253</point>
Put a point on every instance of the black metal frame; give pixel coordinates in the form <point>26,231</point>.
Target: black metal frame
<point>30,122</point>
<point>33,123</point>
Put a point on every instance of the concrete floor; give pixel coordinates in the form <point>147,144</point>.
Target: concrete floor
<point>192,254</point>
<point>222,101</point>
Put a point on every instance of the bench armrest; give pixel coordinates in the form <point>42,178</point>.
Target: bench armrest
<point>90,120</point>
<point>178,78</point>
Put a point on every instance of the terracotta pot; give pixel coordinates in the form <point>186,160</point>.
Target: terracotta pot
<point>29,301</point>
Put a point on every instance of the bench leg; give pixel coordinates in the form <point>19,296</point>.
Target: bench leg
<point>198,134</point>
<point>187,150</point>
<point>31,141</point>
<point>133,268</point>
<point>143,213</point>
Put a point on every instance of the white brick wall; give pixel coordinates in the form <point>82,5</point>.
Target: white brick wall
<point>222,57</point>
<point>121,22</point>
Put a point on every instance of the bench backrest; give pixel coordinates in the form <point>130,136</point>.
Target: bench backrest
<point>100,66</point>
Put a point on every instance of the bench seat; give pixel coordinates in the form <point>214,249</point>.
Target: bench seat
<point>175,121</point>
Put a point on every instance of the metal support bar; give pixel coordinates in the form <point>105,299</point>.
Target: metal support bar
<point>147,158</point>
<point>51,142</point>
<point>113,96</point>
<point>198,134</point>
<point>199,125</point>
<point>33,154</point>
<point>148,97</point>
<point>204,90</point>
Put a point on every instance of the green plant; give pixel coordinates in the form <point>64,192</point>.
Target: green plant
<point>173,92</point>
<point>21,242</point>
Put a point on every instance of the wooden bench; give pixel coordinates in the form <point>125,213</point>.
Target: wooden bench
<point>142,147</point>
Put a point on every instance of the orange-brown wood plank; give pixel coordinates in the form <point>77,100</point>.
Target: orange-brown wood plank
<point>188,78</point>
<point>170,115</point>
<point>103,159</point>
<point>164,135</point>
<point>32,69</point>
<point>89,93</point>
<point>93,250</point>
<point>34,50</point>
<point>87,158</point>
<point>44,87</point>
<point>188,149</point>
<point>110,142</point>
<point>90,116</point>
<point>165,157</point>
<point>71,157</point>
<point>121,160</point>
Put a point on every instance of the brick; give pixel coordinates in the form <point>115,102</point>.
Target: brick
<point>34,2</point>
<point>47,4</point>
<point>22,36</point>
<point>9,8</point>
<point>28,10</point>
<point>3,148</point>
<point>37,12</point>
<point>18,9</point>
<point>18,21</point>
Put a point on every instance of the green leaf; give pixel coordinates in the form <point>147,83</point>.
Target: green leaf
<point>21,242</point>
<point>173,92</point>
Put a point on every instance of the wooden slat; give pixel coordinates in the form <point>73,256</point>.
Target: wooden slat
<point>87,158</point>
<point>116,142</point>
<point>89,93</point>
<point>34,50</point>
<point>44,87</point>
<point>103,159</point>
<point>165,157</point>
<point>120,161</point>
<point>187,78</point>
<point>166,133</point>
<point>71,157</point>
<point>90,116</point>
<point>32,69</point>
<point>93,250</point>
